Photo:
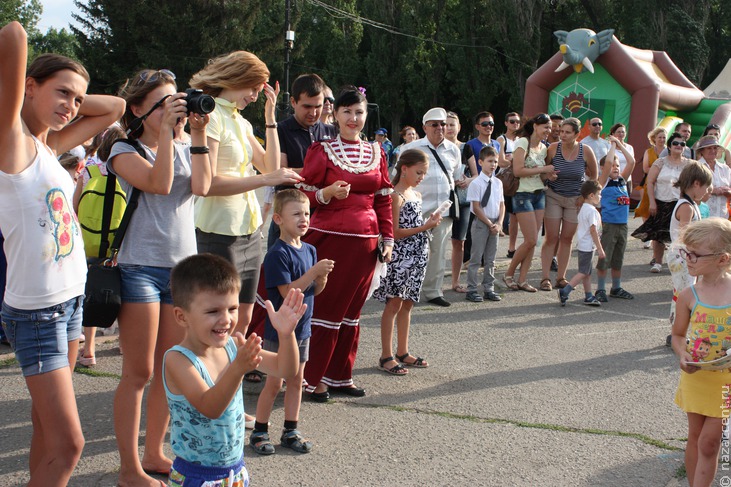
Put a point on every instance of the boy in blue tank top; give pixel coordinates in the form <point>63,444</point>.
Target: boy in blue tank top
<point>202,376</point>
<point>615,214</point>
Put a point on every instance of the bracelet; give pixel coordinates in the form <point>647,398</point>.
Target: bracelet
<point>271,125</point>
<point>199,149</point>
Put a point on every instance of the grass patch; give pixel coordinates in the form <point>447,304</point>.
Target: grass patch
<point>8,362</point>
<point>524,424</point>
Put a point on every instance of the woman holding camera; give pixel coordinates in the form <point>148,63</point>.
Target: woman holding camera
<point>228,222</point>
<point>160,234</point>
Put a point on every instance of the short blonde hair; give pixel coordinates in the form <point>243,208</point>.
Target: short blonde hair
<point>287,196</point>
<point>714,232</point>
<point>653,133</point>
<point>236,70</point>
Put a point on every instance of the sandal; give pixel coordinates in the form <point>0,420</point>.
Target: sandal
<point>397,369</point>
<point>459,288</point>
<point>546,285</point>
<point>260,442</point>
<point>510,282</point>
<point>293,439</point>
<point>418,362</point>
<point>561,283</point>
<point>524,286</point>
<point>254,376</point>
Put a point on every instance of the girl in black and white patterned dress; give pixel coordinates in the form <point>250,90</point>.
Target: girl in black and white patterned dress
<point>401,287</point>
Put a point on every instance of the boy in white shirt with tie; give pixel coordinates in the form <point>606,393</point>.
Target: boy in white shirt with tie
<point>485,195</point>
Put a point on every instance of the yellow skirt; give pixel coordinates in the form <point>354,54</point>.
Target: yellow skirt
<point>705,392</point>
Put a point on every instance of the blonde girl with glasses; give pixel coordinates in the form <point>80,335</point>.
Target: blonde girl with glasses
<point>700,334</point>
<point>46,112</point>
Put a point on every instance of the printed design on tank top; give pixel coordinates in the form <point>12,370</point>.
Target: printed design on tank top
<point>63,223</point>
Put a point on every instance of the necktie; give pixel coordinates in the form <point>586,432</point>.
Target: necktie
<point>486,196</point>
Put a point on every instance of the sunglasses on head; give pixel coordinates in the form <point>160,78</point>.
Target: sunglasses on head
<point>487,124</point>
<point>541,119</point>
<point>596,124</point>
<point>678,142</point>
<point>330,99</point>
<point>513,121</point>
<point>713,126</point>
<point>152,76</point>
<point>437,124</point>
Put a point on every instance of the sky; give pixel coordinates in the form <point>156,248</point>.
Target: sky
<point>56,14</point>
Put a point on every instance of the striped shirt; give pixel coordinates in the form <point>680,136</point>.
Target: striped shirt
<point>571,174</point>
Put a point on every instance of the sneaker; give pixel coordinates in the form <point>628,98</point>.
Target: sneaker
<point>562,297</point>
<point>474,296</point>
<point>648,244</point>
<point>601,296</point>
<point>511,253</point>
<point>592,301</point>
<point>620,293</point>
<point>656,268</point>
<point>554,264</point>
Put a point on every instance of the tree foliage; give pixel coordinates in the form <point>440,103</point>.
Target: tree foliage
<point>464,55</point>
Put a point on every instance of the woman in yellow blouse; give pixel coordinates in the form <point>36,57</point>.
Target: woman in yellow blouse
<point>228,222</point>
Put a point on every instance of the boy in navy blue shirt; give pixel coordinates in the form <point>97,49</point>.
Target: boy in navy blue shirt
<point>289,263</point>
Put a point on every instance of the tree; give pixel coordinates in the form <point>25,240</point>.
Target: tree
<point>27,12</point>
<point>58,41</point>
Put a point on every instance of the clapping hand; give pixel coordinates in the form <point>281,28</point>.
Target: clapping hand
<point>247,355</point>
<point>292,309</point>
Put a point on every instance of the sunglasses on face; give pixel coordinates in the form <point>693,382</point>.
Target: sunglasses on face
<point>436,124</point>
<point>678,142</point>
<point>330,99</point>
<point>487,124</point>
<point>513,121</point>
<point>692,257</point>
<point>596,124</point>
<point>152,76</point>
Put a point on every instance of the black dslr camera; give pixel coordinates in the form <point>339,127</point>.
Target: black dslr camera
<point>198,102</point>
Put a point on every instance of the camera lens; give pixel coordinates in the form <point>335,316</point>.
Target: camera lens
<point>198,102</point>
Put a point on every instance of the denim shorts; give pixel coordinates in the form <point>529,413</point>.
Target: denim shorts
<point>40,337</point>
<point>526,202</point>
<point>145,284</point>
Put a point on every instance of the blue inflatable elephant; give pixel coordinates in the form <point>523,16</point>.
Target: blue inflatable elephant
<point>581,47</point>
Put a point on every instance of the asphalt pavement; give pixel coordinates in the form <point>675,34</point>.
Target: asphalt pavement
<point>520,392</point>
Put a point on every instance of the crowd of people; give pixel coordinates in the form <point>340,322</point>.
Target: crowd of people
<point>206,306</point>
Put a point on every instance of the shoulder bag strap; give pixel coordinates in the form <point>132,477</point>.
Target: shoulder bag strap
<point>441,164</point>
<point>107,213</point>
<point>131,202</point>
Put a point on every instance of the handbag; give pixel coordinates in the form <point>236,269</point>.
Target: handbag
<point>511,183</point>
<point>454,209</point>
<point>462,192</point>
<point>103,292</point>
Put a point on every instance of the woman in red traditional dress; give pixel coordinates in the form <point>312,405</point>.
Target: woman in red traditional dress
<point>346,180</point>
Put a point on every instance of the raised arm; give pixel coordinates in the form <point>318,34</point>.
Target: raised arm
<point>96,113</point>
<point>14,53</point>
<point>267,161</point>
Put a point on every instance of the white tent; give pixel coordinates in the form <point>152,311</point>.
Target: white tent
<point>720,88</point>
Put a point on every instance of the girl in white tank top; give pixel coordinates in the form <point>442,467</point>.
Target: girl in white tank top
<point>47,265</point>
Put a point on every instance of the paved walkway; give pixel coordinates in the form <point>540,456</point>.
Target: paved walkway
<point>519,393</point>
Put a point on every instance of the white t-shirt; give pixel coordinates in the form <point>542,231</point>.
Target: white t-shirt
<point>588,217</point>
<point>43,244</point>
<point>599,146</point>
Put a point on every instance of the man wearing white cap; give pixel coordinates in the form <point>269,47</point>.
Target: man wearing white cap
<point>444,165</point>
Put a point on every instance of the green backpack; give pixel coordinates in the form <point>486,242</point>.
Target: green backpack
<point>91,211</point>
